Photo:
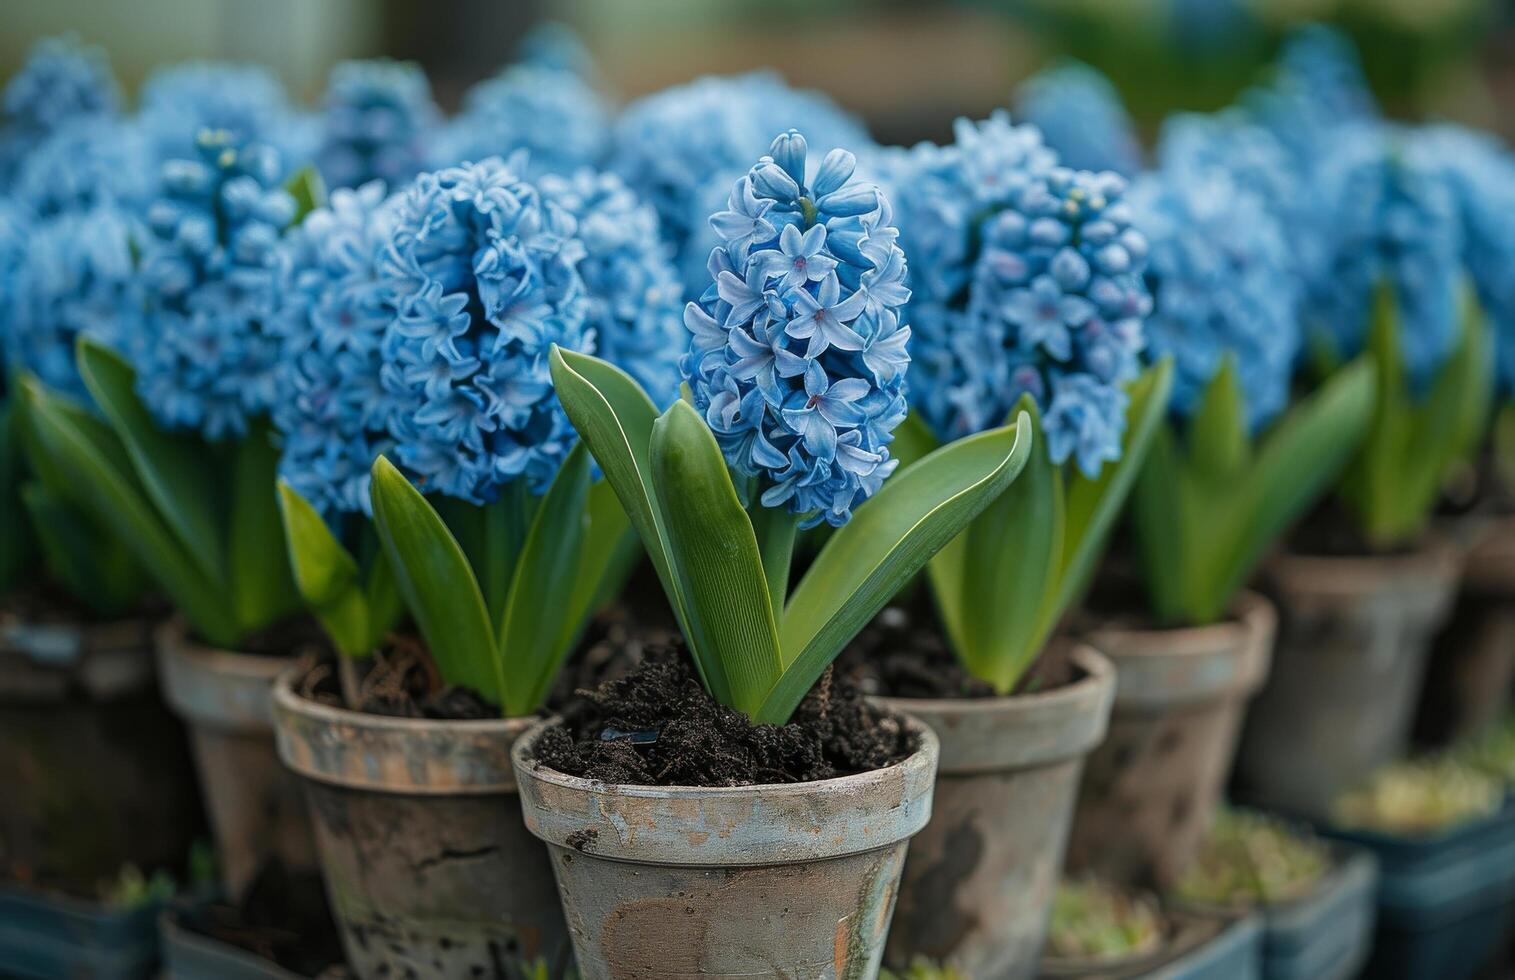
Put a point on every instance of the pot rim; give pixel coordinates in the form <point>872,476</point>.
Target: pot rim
<point>381,753</point>
<point>1164,666</point>
<point>990,734</point>
<point>1433,557</point>
<point>718,826</point>
<point>213,686</point>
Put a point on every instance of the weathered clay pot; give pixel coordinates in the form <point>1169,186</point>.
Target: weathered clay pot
<point>792,881</point>
<point>94,771</point>
<point>1472,663</point>
<point>429,869</point>
<point>226,699</point>
<point>1151,787</point>
<point>978,888</point>
<point>1347,669</point>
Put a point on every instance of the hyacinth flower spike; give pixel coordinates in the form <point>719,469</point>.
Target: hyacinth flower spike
<point>787,424</point>
<point>427,464</point>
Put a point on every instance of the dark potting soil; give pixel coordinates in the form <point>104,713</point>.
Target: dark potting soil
<point>283,918</point>
<point>658,726</point>
<point>904,654</point>
<point>614,644</point>
<point>294,636</point>
<point>400,680</point>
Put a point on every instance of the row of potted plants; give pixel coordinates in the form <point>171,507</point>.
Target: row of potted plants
<point>390,455</point>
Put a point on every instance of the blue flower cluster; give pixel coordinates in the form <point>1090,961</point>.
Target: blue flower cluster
<point>554,115</point>
<point>1395,221</point>
<point>798,355</point>
<point>334,412</point>
<point>15,227</point>
<point>483,275</point>
<point>553,44</point>
<point>61,81</point>
<point>634,297</point>
<point>377,117</point>
<point>681,149</point>
<point>1081,116</point>
<point>87,162</point>
<point>1223,285</point>
<point>1318,88</point>
<point>1027,280</point>
<point>207,354</point>
<point>246,101</point>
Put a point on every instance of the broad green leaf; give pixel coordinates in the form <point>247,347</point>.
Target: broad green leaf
<point>325,574</point>
<point>713,554</point>
<point>1218,428</point>
<point>917,512</point>
<point>775,529</point>
<point>1163,527</point>
<point>433,575</point>
<point>100,472</point>
<point>611,551</point>
<point>172,468</point>
<point>308,190</point>
<point>532,633</point>
<point>1003,607</point>
<point>382,599</point>
<point>262,586</point>
<point>615,417</point>
<point>1094,505</point>
<point>85,566</point>
<point>913,440</point>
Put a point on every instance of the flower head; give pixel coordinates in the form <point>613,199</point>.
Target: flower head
<point>483,276</point>
<point>553,114</point>
<point>244,100</point>
<point>377,116</point>
<point>1081,116</point>
<point>1395,221</point>
<point>553,44</point>
<point>208,352</point>
<point>1317,87</point>
<point>1223,286</point>
<point>634,298</point>
<point>1026,274</point>
<point>62,80</point>
<point>15,227</point>
<point>89,161</point>
<point>798,353</point>
<point>681,149</point>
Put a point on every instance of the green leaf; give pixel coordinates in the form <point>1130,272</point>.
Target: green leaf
<point>171,468</point>
<point>325,573</point>
<point>16,539</point>
<point>1168,527</point>
<point>615,417</point>
<point>714,555</point>
<point>382,599</point>
<point>532,635</point>
<point>1004,617</point>
<point>775,529</point>
<point>434,577</point>
<point>1218,428</point>
<point>88,568</point>
<point>308,190</point>
<point>262,586</point>
<point>611,551</point>
<point>1094,505</point>
<point>890,537</point>
<point>913,440</point>
<point>100,473</point>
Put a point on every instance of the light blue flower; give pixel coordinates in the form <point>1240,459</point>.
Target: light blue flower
<point>1024,273</point>
<point>1223,285</point>
<point>484,277</point>
<point>635,304</point>
<point>1081,116</point>
<point>15,228</point>
<point>208,349</point>
<point>1317,87</point>
<point>682,149</point>
<point>248,101</point>
<point>797,354</point>
<point>62,80</point>
<point>89,161</point>
<point>553,44</point>
<point>377,117</point>
<point>552,114</point>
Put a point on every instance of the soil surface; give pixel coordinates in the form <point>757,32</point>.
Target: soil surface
<point>400,681</point>
<point>903,653</point>
<point>657,726</point>
<point>283,918</point>
<point>295,636</point>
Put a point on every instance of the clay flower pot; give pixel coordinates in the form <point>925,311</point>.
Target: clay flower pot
<point>94,770</point>
<point>978,888</point>
<point>790,880</point>
<point>1340,700</point>
<point>226,700</point>
<point>1151,787</point>
<point>428,866</point>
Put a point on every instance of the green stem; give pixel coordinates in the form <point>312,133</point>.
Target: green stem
<point>775,529</point>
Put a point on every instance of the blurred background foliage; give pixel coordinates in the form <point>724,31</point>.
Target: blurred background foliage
<point>907,66</point>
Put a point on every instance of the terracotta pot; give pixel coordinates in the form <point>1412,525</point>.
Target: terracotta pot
<point>978,888</point>
<point>792,881</point>
<point>226,699</point>
<point>1151,787</point>
<point>1472,663</point>
<point>429,868</point>
<point>1339,702</point>
<point>94,771</point>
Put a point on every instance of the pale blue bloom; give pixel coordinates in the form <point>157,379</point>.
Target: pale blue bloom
<point>377,117</point>
<point>89,161</point>
<point>62,80</point>
<point>1081,116</point>
<point>797,355</point>
<point>553,115</point>
<point>245,100</point>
